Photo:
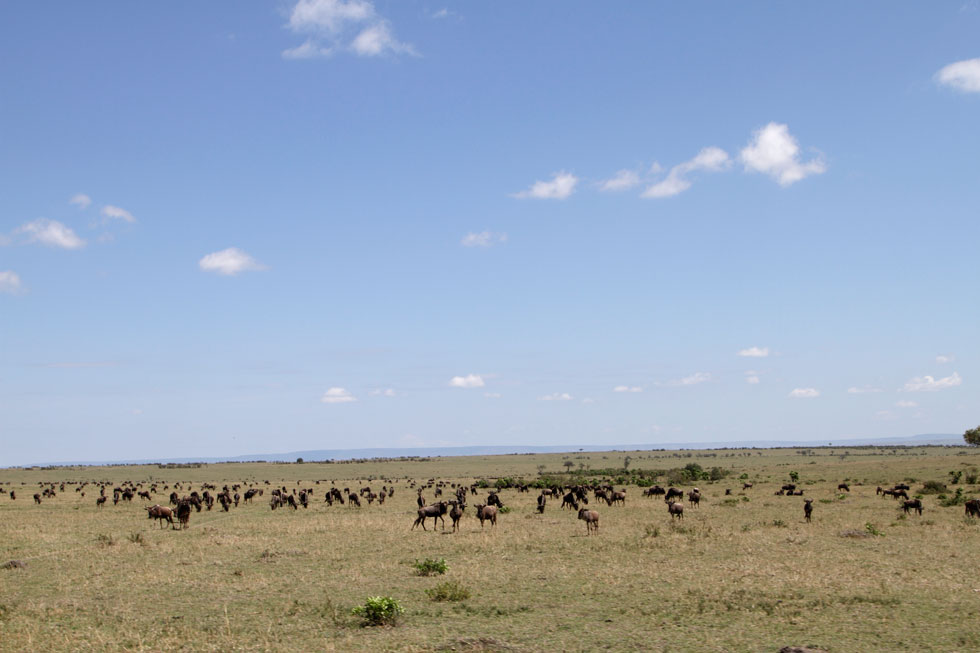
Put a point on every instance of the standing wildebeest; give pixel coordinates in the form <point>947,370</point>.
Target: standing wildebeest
<point>569,500</point>
<point>694,496</point>
<point>436,511</point>
<point>184,513</point>
<point>746,486</point>
<point>675,509</point>
<point>161,513</point>
<point>591,519</point>
<point>487,512</point>
<point>672,493</point>
<point>654,491</point>
<point>914,504</point>
<point>807,509</point>
<point>617,497</point>
<point>99,502</point>
<point>541,502</point>
<point>37,498</point>
<point>456,514</point>
<point>844,486</point>
<point>972,507</point>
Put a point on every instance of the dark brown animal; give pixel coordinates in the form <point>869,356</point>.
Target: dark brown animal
<point>99,502</point>
<point>673,493</point>
<point>436,511</point>
<point>37,498</point>
<point>184,513</point>
<point>844,486</point>
<point>676,510</point>
<point>914,504</point>
<point>591,519</point>
<point>487,513</point>
<point>694,496</point>
<point>807,509</point>
<point>972,507</point>
<point>161,513</point>
<point>456,514</point>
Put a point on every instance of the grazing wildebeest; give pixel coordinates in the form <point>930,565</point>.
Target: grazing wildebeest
<point>161,513</point>
<point>694,496</point>
<point>456,514</point>
<point>654,491</point>
<point>591,519</point>
<point>972,507</point>
<point>494,500</point>
<point>569,500</point>
<point>617,497</point>
<point>746,486</point>
<point>37,498</point>
<point>99,502</point>
<point>901,486</point>
<point>789,487</point>
<point>914,504</point>
<point>184,513</point>
<point>675,509</point>
<point>174,498</point>
<point>437,511</point>
<point>485,513</point>
<point>672,493</point>
<point>807,509</point>
<point>541,502</point>
<point>728,491</point>
<point>353,501</point>
<point>844,486</point>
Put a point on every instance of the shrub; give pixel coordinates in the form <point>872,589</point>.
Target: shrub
<point>503,510</point>
<point>448,591</point>
<point>957,499</point>
<point>105,540</point>
<point>933,487</point>
<point>873,530</point>
<point>136,538</point>
<point>379,611</point>
<point>430,567</point>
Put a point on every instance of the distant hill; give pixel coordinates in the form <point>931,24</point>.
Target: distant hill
<point>942,439</point>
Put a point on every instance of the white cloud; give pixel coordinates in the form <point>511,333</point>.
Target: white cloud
<point>383,392</point>
<point>773,151</point>
<point>116,213</point>
<point>308,50</point>
<point>754,352</point>
<point>906,404</point>
<point>377,39</point>
<point>468,381</point>
<point>556,396</point>
<point>961,75</point>
<point>51,233</point>
<point>622,180</point>
<point>442,13</point>
<point>948,358</point>
<point>693,379</point>
<point>351,25</point>
<point>752,379</point>
<point>10,282</point>
<point>483,239</point>
<point>229,262</point>
<point>628,388</point>
<point>81,200</point>
<point>804,393</point>
<point>560,187</point>
<point>711,159</point>
<point>930,384</point>
<point>337,396</point>
<point>863,390</point>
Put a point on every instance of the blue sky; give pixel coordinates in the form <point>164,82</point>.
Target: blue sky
<point>231,228</point>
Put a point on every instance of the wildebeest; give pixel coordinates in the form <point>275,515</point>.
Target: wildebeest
<point>494,500</point>
<point>972,507</point>
<point>184,513</point>
<point>654,491</point>
<point>617,497</point>
<point>436,511</point>
<point>914,504</point>
<point>569,500</point>
<point>99,502</point>
<point>844,486</point>
<point>591,519</point>
<point>161,513</point>
<point>674,493</point>
<point>37,498</point>
<point>456,514</point>
<point>485,513</point>
<point>807,509</point>
<point>675,509</point>
<point>541,503</point>
<point>694,496</point>
<point>746,486</point>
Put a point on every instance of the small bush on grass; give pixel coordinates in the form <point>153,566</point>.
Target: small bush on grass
<point>379,611</point>
<point>957,499</point>
<point>933,487</point>
<point>873,530</point>
<point>430,567</point>
<point>448,591</point>
<point>105,540</point>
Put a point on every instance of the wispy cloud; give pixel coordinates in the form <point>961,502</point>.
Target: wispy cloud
<point>945,358</point>
<point>754,352</point>
<point>628,388</point>
<point>862,390</point>
<point>963,76</point>
<point>710,159</point>
<point>229,262</point>
<point>81,200</point>
<point>561,186</point>
<point>930,384</point>
<point>483,239</point>
<point>906,404</point>
<point>804,393</point>
<point>116,213</point>
<point>752,378</point>
<point>468,381</point>
<point>10,282</point>
<point>773,151</point>
<point>337,396</point>
<point>691,379</point>
<point>622,180</point>
<point>342,25</point>
<point>383,392</point>
<point>556,396</point>
<point>51,233</point>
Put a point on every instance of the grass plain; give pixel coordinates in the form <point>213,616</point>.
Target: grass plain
<point>741,573</point>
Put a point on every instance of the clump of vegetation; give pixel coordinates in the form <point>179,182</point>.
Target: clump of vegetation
<point>732,501</point>
<point>779,523</point>
<point>503,510</point>
<point>957,499</point>
<point>379,611</point>
<point>448,591</point>
<point>955,476</point>
<point>653,531</point>
<point>430,567</point>
<point>136,538</point>
<point>105,540</point>
<point>933,487</point>
<point>873,530</point>
<point>794,476</point>
<point>972,475</point>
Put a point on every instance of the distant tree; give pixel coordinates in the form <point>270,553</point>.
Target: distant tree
<point>568,465</point>
<point>540,469</point>
<point>299,460</point>
<point>794,476</point>
<point>626,462</point>
<point>972,436</point>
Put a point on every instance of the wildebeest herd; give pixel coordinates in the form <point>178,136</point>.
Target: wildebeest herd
<point>184,499</point>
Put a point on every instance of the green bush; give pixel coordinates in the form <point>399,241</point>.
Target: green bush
<point>873,530</point>
<point>430,567</point>
<point>448,591</point>
<point>957,499</point>
<point>379,611</point>
<point>933,487</point>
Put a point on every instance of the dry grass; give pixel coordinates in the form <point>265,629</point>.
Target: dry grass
<point>736,576</point>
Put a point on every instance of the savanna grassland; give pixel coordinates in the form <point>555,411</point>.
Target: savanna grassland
<point>743,572</point>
